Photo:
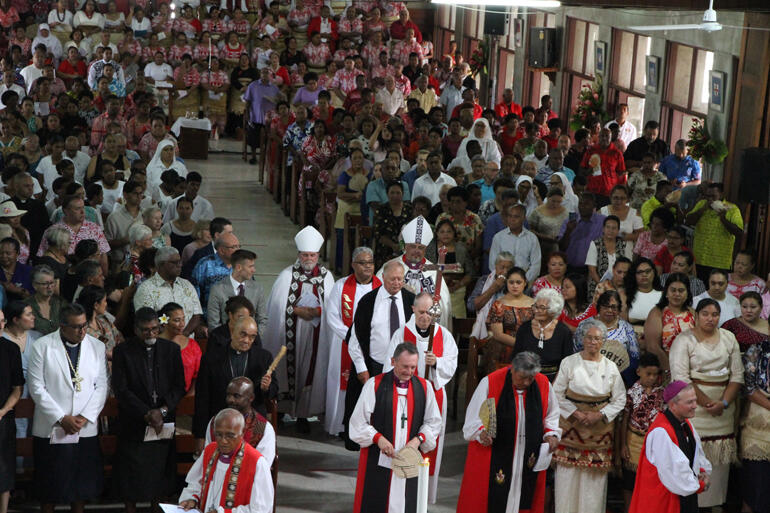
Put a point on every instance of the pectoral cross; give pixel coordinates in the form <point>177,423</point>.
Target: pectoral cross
<point>403,420</point>
<point>76,381</point>
<point>154,397</point>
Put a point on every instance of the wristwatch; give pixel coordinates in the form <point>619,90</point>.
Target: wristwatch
<point>725,403</point>
<point>163,411</point>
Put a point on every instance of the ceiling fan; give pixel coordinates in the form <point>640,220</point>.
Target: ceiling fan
<point>709,23</point>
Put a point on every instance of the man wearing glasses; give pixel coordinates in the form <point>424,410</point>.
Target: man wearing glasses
<point>340,307</point>
<point>67,378</point>
<point>213,268</point>
<point>148,382</point>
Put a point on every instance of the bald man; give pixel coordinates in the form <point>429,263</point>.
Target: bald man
<point>252,482</point>
<point>219,365</point>
<point>257,430</point>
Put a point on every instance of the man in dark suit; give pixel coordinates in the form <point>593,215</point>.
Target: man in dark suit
<point>218,226</point>
<point>378,315</point>
<point>219,365</point>
<point>239,283</point>
<point>36,220</point>
<point>148,382</point>
<point>236,308</point>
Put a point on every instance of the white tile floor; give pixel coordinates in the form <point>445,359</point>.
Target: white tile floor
<point>316,473</point>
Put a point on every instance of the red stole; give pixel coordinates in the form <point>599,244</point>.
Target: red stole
<point>438,350</point>
<point>347,308</point>
<point>245,480</point>
<point>473,491</point>
<point>649,493</point>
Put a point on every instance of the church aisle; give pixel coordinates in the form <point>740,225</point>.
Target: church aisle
<point>316,473</point>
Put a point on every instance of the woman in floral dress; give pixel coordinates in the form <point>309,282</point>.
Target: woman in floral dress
<point>318,154</point>
<point>504,319</point>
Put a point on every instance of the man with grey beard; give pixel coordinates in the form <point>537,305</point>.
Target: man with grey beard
<point>297,320</point>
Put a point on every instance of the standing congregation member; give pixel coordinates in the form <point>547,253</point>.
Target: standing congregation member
<point>240,283</point>
<point>436,366</point>
<point>148,382</point>
<point>213,484</point>
<point>378,316</point>
<point>673,468</point>
<point>243,356</point>
<point>296,319</point>
<point>709,358</point>
<point>68,460</point>
<point>499,474</point>
<point>257,431</point>
<point>416,236</point>
<point>591,394</point>
<point>341,305</point>
<point>520,242</point>
<point>396,409</point>
<point>11,386</point>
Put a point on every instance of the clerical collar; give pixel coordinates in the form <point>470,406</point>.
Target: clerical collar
<point>423,333</point>
<point>401,384</point>
<point>70,344</point>
<point>225,458</point>
<point>414,266</point>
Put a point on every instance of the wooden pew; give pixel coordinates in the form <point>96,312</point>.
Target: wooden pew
<point>474,372</point>
<point>294,198</point>
<point>262,162</point>
<point>364,236</point>
<point>461,329</point>
<point>285,193</point>
<point>352,222</point>
<point>326,225</point>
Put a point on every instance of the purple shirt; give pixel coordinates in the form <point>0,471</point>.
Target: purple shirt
<point>581,238</point>
<point>305,96</point>
<point>255,94</point>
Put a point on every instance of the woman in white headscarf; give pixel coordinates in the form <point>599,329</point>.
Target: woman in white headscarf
<point>570,198</point>
<point>526,189</point>
<point>481,132</point>
<point>51,42</point>
<point>164,158</point>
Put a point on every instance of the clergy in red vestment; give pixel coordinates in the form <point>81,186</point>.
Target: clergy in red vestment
<point>231,476</point>
<point>396,409</point>
<point>505,473</point>
<point>326,26</point>
<point>673,468</point>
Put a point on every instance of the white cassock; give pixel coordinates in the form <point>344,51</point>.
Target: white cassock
<point>362,433</point>
<point>337,329</point>
<point>446,364</point>
<point>473,427</point>
<point>266,446</point>
<point>307,400</point>
<point>261,489</point>
<point>417,281</point>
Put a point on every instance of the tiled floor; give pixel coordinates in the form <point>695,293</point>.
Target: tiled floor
<point>316,473</point>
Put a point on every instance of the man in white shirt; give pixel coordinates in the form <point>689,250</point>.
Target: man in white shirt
<point>391,98</point>
<point>202,208</point>
<point>429,184</point>
<point>81,160</point>
<point>96,69</point>
<point>627,129</point>
<point>158,70</point>
<point>35,70</point>
<point>9,85</point>
<point>717,290</point>
<point>452,95</point>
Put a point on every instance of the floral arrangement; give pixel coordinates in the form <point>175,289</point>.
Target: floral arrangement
<point>590,103</point>
<point>704,147</point>
<point>479,58</point>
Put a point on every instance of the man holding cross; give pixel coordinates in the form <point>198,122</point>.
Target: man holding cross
<point>421,275</point>
<point>396,409</point>
<point>436,364</point>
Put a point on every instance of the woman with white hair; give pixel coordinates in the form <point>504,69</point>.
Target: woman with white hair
<point>488,289</point>
<point>544,335</point>
<point>139,240</point>
<point>591,395</point>
<point>622,346</point>
<point>153,219</point>
<point>481,132</point>
<point>55,255</point>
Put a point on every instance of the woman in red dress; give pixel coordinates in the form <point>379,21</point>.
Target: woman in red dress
<point>172,323</point>
<point>278,127</point>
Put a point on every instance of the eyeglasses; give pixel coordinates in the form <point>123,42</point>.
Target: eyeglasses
<point>593,338</point>
<point>542,308</point>
<point>151,329</point>
<point>611,307</point>
<point>365,263</point>
<point>225,436</point>
<point>76,327</point>
<point>643,271</point>
<point>45,283</point>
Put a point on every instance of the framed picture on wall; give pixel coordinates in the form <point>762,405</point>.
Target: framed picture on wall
<point>600,57</point>
<point>653,73</point>
<point>518,31</point>
<point>717,91</point>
